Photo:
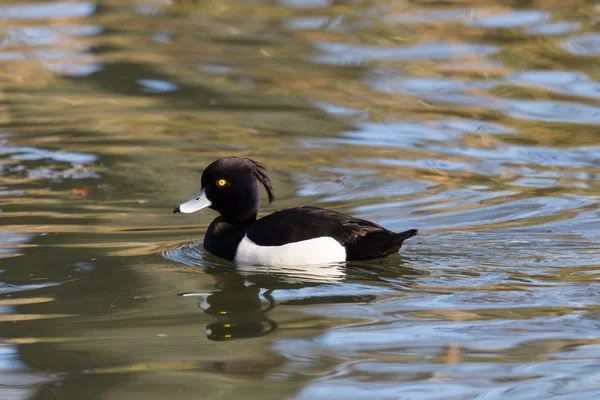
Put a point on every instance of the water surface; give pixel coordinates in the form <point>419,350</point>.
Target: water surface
<point>475,122</point>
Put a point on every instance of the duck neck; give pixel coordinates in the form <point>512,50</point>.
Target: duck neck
<point>223,237</point>
<point>243,208</point>
<point>239,218</point>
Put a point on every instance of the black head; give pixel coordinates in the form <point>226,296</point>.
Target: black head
<point>230,186</point>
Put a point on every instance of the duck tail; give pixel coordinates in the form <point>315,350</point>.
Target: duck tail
<point>402,236</point>
<point>377,244</point>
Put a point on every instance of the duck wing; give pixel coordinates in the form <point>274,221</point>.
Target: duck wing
<point>362,239</point>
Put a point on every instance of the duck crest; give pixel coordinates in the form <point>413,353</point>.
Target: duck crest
<point>263,178</point>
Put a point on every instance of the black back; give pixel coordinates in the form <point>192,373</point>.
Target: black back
<point>362,239</point>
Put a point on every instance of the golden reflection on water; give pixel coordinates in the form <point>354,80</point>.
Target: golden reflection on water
<point>475,122</point>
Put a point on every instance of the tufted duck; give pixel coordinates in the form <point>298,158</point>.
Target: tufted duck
<point>295,236</point>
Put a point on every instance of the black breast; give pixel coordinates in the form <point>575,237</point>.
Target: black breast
<point>222,238</point>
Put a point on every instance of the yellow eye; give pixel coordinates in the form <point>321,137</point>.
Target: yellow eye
<point>221,182</point>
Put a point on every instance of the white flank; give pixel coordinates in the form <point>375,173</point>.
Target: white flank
<point>321,250</point>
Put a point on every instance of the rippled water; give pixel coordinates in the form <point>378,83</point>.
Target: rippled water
<point>475,122</point>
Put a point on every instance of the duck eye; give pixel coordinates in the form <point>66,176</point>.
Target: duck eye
<point>221,182</point>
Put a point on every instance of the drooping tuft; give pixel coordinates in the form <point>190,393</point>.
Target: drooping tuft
<point>261,175</point>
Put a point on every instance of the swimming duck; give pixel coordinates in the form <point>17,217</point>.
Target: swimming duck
<point>295,236</point>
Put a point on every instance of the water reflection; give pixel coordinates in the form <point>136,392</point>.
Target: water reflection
<point>476,123</point>
<point>42,11</point>
<point>240,308</point>
<point>337,53</point>
<point>17,379</point>
<point>245,295</point>
<point>239,312</point>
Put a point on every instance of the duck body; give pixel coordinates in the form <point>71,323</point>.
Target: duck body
<point>295,236</point>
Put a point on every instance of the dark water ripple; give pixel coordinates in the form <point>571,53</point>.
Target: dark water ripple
<point>476,123</point>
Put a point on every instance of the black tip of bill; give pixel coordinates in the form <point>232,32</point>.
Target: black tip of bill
<point>176,210</point>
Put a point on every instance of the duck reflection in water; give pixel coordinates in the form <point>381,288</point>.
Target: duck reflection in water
<point>239,312</point>
<point>244,298</point>
<point>245,295</point>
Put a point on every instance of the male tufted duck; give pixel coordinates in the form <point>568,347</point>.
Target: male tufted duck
<point>295,236</point>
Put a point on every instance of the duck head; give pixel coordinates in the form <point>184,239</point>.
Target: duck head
<point>230,186</point>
